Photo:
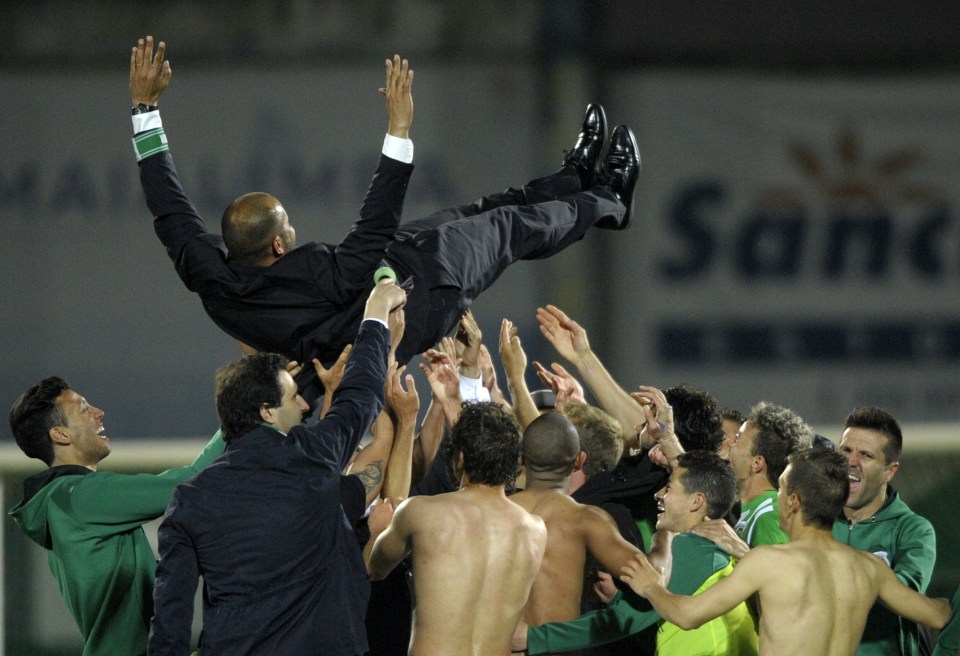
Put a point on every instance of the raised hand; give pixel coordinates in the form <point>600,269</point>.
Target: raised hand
<point>566,335</point>
<point>330,378</point>
<point>469,339</point>
<point>512,355</point>
<point>149,72</point>
<point>397,91</point>
<point>567,388</point>
<point>405,403</point>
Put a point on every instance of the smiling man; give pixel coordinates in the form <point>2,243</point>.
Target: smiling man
<point>877,520</point>
<point>701,487</point>
<point>91,522</point>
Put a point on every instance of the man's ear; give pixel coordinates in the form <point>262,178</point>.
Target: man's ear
<point>580,459</point>
<point>268,415</point>
<point>60,435</point>
<point>699,501</point>
<point>793,503</point>
<point>759,463</point>
<point>891,470</point>
<point>277,247</point>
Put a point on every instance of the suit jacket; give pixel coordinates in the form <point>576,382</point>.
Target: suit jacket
<point>264,526</point>
<point>310,302</point>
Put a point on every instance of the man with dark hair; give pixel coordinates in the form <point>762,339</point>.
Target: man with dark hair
<point>264,524</point>
<point>551,453</point>
<point>877,520</point>
<point>814,591</point>
<point>732,421</point>
<point>696,418</point>
<point>758,456</point>
<point>475,552</point>
<point>702,486</point>
<point>306,301</point>
<point>89,521</point>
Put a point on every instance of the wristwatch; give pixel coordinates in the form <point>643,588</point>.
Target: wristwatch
<point>143,108</point>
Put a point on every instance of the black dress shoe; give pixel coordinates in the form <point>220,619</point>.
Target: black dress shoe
<point>583,158</point>
<point>619,172</point>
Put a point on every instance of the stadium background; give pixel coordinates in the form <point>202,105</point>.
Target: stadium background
<point>796,236</point>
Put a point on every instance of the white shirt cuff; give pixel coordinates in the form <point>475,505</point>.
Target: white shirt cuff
<point>398,149</point>
<point>472,390</point>
<point>379,321</point>
<point>147,121</point>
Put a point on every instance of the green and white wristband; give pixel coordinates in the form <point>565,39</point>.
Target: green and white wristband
<point>150,143</point>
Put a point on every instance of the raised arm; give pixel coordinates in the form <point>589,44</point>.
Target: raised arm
<point>445,386</point>
<point>360,395</point>
<point>404,404</point>
<point>370,465</point>
<point>363,248</point>
<point>331,377</point>
<point>514,361</point>
<point>571,342</point>
<point>567,388</point>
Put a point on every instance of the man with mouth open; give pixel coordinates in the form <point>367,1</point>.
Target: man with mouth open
<point>701,487</point>
<point>876,519</point>
<point>91,522</point>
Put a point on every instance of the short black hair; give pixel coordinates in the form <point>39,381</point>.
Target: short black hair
<point>243,387</point>
<point>551,444</point>
<point>881,421</point>
<point>732,414</point>
<point>708,473</point>
<point>34,413</point>
<point>489,439</point>
<point>820,478</point>
<point>696,418</point>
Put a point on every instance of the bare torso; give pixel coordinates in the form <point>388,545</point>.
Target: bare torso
<point>475,556</point>
<point>555,596</point>
<point>821,608</point>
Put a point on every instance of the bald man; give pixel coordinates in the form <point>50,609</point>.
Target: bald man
<point>551,453</point>
<point>306,301</point>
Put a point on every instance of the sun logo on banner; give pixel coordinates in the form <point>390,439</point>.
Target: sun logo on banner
<point>848,176</point>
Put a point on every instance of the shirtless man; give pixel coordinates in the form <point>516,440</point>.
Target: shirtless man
<point>815,591</point>
<point>475,553</point>
<point>551,453</point>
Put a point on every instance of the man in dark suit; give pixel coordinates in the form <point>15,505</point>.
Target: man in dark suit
<point>264,524</point>
<point>306,301</point>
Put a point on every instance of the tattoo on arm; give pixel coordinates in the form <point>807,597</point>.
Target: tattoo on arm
<point>371,476</point>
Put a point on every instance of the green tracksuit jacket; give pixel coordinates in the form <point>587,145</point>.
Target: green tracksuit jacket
<point>91,524</point>
<point>697,564</point>
<point>907,542</point>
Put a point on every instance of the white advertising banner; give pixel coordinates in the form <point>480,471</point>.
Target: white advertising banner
<point>796,241</point>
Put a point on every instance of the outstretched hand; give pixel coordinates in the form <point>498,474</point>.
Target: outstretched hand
<point>405,403</point>
<point>567,388</point>
<point>640,575</point>
<point>330,378</point>
<point>566,335</point>
<point>512,356</point>
<point>149,73</point>
<point>399,97</point>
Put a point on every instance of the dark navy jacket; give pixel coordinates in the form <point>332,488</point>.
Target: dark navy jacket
<point>264,526</point>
